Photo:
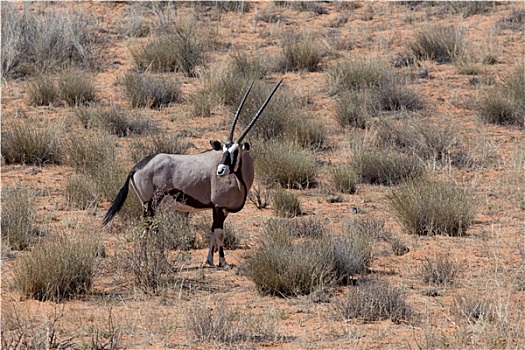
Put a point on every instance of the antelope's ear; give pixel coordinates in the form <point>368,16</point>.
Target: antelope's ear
<point>216,145</point>
<point>246,146</point>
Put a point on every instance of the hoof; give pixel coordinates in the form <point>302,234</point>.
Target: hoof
<point>225,266</point>
<point>209,264</point>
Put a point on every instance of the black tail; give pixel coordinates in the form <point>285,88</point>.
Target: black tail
<point>118,202</point>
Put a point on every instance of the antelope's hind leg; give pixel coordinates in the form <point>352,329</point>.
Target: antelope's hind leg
<point>217,237</point>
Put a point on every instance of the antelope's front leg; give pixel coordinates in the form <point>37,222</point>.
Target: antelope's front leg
<point>217,237</point>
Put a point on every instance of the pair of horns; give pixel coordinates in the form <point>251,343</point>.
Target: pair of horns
<point>254,119</point>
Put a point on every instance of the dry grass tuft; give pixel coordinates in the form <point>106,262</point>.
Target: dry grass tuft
<point>426,207</point>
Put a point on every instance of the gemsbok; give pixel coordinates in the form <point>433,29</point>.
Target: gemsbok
<point>218,179</point>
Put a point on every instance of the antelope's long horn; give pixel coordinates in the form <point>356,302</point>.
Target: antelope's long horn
<point>258,114</point>
<point>234,122</point>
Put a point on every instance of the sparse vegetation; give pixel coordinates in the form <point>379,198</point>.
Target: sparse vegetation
<point>57,269</point>
<point>286,204</point>
<point>179,50</point>
<point>18,217</point>
<point>32,144</point>
<point>301,52</point>
<point>42,91</point>
<point>151,91</point>
<point>385,167</point>
<point>426,207</point>
<point>36,44</point>
<point>376,301</point>
<point>504,103</point>
<point>76,88</point>
<point>345,179</point>
<point>442,44</point>
<point>350,246</point>
<point>284,163</point>
<point>440,271</point>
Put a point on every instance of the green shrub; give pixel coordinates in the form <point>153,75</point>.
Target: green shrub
<point>426,207</point>
<point>57,269</point>
<point>33,44</point>
<point>290,269</point>
<point>284,163</point>
<point>18,217</point>
<point>385,167</point>
<point>29,143</point>
<point>286,204</point>
<point>354,108</point>
<point>80,192</point>
<point>358,75</point>
<point>438,43</point>
<point>123,123</point>
<point>351,251</point>
<point>375,301</point>
<point>42,91</point>
<point>76,88</point>
<point>504,104</point>
<point>151,91</point>
<point>301,52</point>
<point>344,178</point>
<point>179,50</point>
<point>426,140</point>
<point>306,131</point>
<point>394,95</point>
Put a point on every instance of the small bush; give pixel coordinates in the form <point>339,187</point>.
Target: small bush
<point>475,309</point>
<point>426,207</point>
<point>352,251</point>
<point>29,143</point>
<point>148,257</point>
<point>227,326</point>
<point>57,269</point>
<point>307,131</point>
<point>36,44</point>
<point>344,178</point>
<point>393,95</point>
<point>179,50</point>
<point>438,43</point>
<point>159,143</point>
<point>42,91</point>
<point>470,8</point>
<point>355,108</point>
<point>286,204</point>
<point>385,167</point>
<point>301,52</point>
<point>504,104</point>
<point>283,268</point>
<point>284,163</point>
<point>428,141</point>
<point>250,67</point>
<point>18,217</point>
<point>376,301</point>
<point>120,123</point>
<point>515,21</point>
<point>151,91</point>
<point>80,192</point>
<point>76,88</point>
<point>358,75</point>
<point>440,271</point>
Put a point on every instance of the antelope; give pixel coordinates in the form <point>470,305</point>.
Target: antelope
<point>218,179</point>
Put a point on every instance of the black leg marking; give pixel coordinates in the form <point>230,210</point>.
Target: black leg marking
<point>221,252</point>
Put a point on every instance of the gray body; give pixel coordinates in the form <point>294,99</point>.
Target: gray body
<point>194,177</point>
